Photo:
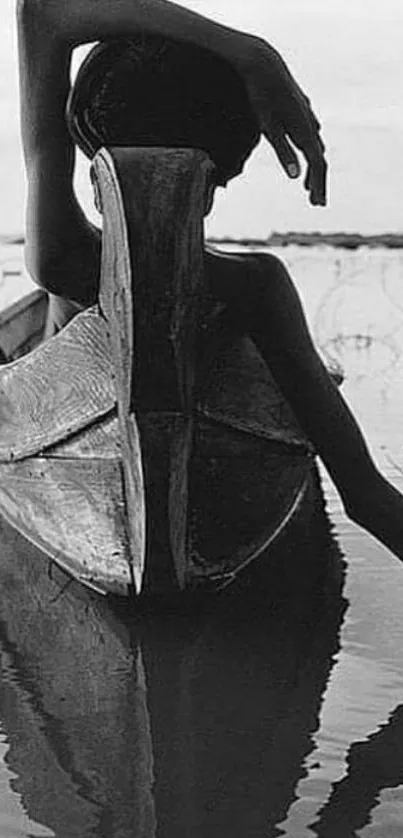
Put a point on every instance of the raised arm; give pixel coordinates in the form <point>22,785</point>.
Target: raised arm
<point>59,237</point>
<point>62,247</point>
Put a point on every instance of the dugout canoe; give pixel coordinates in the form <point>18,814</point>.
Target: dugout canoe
<point>146,447</point>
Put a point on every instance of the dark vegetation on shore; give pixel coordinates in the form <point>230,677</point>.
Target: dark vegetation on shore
<point>347,241</point>
<point>12,240</point>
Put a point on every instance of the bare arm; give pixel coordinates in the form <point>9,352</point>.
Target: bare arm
<point>63,249</point>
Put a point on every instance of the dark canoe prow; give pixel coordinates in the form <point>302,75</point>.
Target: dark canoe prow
<point>225,465</point>
<point>146,446</point>
<point>190,724</point>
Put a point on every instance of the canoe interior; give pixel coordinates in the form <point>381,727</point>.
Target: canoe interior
<point>22,326</point>
<point>166,464</point>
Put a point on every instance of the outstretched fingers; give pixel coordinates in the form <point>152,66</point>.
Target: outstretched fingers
<point>313,149</point>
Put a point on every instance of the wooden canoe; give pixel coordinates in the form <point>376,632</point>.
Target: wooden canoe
<point>146,447</point>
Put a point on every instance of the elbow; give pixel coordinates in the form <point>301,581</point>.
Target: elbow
<point>62,276</point>
<point>24,10</point>
<point>32,262</point>
<point>40,268</point>
<point>27,8</point>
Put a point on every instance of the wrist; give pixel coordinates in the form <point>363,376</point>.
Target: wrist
<point>248,50</point>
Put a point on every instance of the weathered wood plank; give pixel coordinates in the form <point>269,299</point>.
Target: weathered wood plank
<point>112,407</point>
<point>166,444</point>
<point>58,389</point>
<point>238,390</point>
<point>101,441</point>
<point>152,280</point>
<point>243,491</point>
<point>75,512</point>
<point>164,193</point>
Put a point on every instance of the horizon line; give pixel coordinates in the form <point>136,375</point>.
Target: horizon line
<point>312,238</point>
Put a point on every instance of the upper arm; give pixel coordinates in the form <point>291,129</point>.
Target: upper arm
<point>62,247</point>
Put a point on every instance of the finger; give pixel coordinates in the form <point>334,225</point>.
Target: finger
<point>315,134</point>
<point>305,135</point>
<point>312,113</point>
<point>317,180</point>
<point>312,125</point>
<point>316,123</point>
<point>313,149</point>
<point>285,153</point>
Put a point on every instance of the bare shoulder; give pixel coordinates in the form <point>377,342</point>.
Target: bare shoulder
<point>224,267</point>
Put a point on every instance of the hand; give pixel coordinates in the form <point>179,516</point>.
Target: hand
<point>286,118</point>
<point>283,111</point>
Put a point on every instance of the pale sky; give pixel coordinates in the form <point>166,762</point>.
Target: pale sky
<point>348,56</point>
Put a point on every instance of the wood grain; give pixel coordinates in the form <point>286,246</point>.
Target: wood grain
<point>164,195</point>
<point>57,390</point>
<point>136,443</point>
<point>101,441</point>
<point>152,281</point>
<point>75,512</point>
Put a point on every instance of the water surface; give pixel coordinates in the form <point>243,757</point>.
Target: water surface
<point>272,714</point>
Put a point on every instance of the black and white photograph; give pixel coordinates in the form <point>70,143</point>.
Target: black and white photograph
<point>201,408</point>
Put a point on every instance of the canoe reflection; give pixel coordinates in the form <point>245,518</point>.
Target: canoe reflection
<point>189,725</point>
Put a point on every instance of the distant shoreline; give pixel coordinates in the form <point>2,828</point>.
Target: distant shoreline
<point>346,241</point>
<point>12,240</point>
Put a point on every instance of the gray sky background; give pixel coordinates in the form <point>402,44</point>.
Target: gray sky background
<point>348,56</point>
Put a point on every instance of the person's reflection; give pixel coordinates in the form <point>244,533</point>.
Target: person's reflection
<point>373,765</point>
<point>233,711</point>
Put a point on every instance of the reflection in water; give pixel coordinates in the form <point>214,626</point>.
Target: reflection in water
<point>189,725</point>
<point>373,765</point>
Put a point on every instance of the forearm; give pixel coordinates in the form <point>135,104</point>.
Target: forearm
<point>79,21</point>
<point>49,29</point>
<point>61,251</point>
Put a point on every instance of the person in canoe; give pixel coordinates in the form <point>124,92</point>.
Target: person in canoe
<point>240,89</point>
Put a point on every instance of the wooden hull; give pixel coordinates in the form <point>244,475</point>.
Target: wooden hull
<point>146,446</point>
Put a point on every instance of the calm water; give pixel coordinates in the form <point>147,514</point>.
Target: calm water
<point>272,715</point>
